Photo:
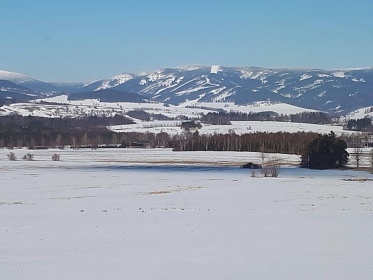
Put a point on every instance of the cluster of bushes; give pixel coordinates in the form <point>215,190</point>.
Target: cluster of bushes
<point>29,157</point>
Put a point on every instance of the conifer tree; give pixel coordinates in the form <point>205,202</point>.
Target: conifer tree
<point>325,152</point>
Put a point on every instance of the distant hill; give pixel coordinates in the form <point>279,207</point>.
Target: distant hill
<point>108,95</point>
<point>11,92</point>
<point>337,91</point>
<point>28,82</point>
<point>333,91</point>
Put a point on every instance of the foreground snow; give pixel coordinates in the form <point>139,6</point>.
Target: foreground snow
<point>123,214</point>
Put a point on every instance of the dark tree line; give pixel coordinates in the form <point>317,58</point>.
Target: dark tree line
<point>145,116</point>
<point>31,122</point>
<point>280,142</point>
<point>19,131</point>
<point>364,124</point>
<point>34,132</point>
<point>311,117</point>
<point>216,118</point>
<point>225,118</point>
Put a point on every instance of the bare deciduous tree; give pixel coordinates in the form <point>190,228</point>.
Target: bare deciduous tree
<point>271,168</point>
<point>261,153</point>
<point>357,155</point>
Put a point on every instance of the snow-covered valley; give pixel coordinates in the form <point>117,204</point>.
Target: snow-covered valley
<point>158,214</point>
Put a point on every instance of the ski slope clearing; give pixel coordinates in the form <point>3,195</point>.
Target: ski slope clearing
<point>158,214</point>
<point>366,112</point>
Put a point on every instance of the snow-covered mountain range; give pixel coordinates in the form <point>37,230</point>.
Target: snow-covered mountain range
<point>334,91</point>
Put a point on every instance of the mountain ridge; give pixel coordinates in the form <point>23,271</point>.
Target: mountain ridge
<point>337,91</point>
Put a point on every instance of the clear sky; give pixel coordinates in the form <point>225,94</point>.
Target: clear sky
<point>82,40</point>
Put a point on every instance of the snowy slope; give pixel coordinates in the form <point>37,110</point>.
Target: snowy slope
<point>256,107</point>
<point>335,91</point>
<point>14,77</point>
<point>108,83</point>
<point>11,92</point>
<point>366,112</point>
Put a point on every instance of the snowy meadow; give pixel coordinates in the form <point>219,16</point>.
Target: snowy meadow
<point>158,214</point>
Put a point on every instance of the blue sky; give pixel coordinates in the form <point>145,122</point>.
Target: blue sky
<point>81,40</point>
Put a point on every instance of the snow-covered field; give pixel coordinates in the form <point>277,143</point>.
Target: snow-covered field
<point>158,214</point>
<point>238,127</point>
<point>60,106</point>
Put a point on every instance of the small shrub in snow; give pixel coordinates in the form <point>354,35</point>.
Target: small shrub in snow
<point>265,170</point>
<point>28,157</point>
<point>275,169</point>
<point>12,156</point>
<point>271,168</point>
<point>56,157</point>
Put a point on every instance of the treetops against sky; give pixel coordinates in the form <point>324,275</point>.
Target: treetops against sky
<point>85,40</point>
